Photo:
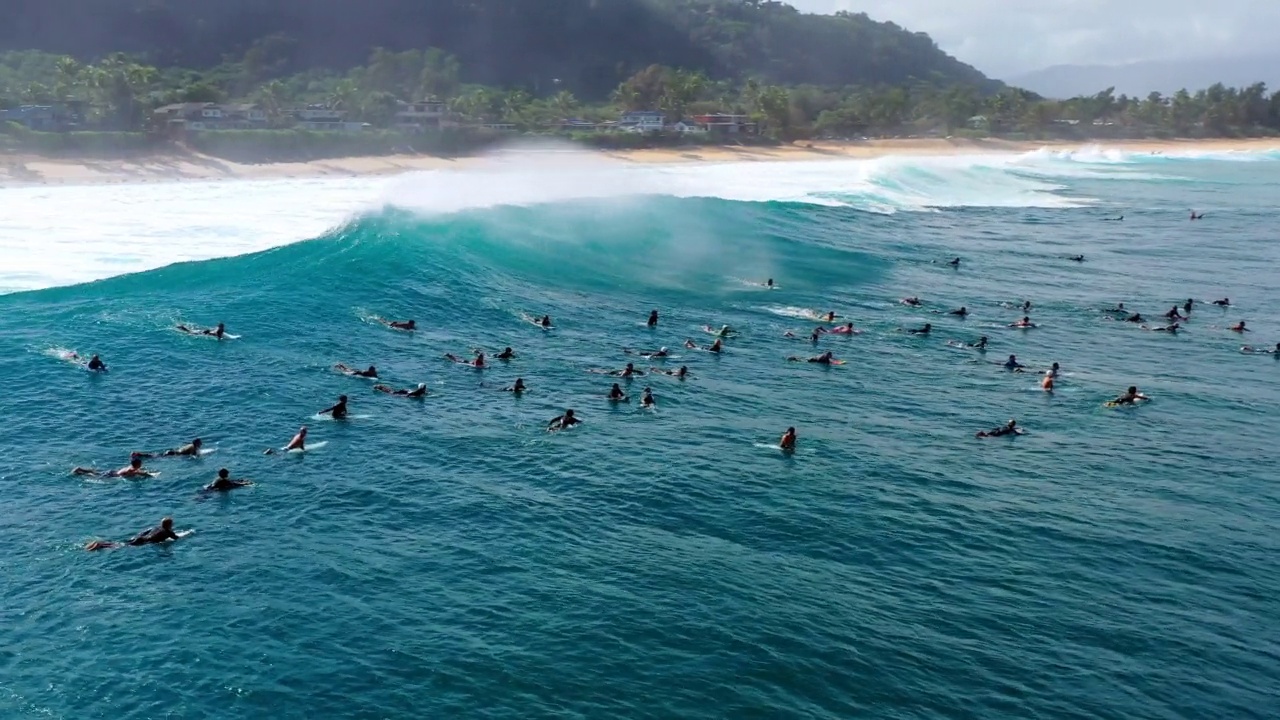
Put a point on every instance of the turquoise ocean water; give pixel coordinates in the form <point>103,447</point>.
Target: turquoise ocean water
<point>447,558</point>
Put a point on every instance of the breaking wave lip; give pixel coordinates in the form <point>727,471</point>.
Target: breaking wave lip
<point>1099,154</point>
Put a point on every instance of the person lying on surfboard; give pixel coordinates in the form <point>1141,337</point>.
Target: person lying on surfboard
<point>681,374</point>
<point>647,354</point>
<point>1011,428</point>
<point>1131,397</point>
<point>928,328</point>
<point>420,391</point>
<point>191,449</point>
<point>150,536</point>
<point>715,347</point>
<point>223,482</point>
<point>1262,351</point>
<point>506,354</point>
<point>845,329</point>
<point>409,325</point>
<point>826,358</point>
<point>372,372</point>
<point>568,419</point>
<point>217,332</point>
<point>133,470</point>
<point>478,363</point>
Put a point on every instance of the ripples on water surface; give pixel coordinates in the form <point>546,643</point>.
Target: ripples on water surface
<point>448,559</point>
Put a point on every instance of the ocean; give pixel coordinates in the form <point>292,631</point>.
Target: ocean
<point>447,558</point>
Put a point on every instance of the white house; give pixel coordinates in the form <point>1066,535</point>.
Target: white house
<point>642,121</point>
<point>211,116</point>
<point>319,118</point>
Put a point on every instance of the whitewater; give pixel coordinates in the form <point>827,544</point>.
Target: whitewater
<point>448,558</point>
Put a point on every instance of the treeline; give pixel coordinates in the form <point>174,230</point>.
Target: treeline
<point>584,46</point>
<point>119,93</point>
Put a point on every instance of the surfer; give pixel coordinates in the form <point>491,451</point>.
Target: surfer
<point>1172,328</point>
<point>1239,327</point>
<point>788,441</point>
<point>372,372</point>
<point>543,322</point>
<point>1013,364</point>
<point>646,400</point>
<point>338,411</point>
<point>408,325</point>
<point>962,312</point>
<point>191,449</point>
<point>1194,216</point>
<point>1224,302</point>
<point>1023,324</point>
<point>1130,397</point>
<point>928,328</point>
<point>299,442</point>
<point>1047,382</point>
<point>517,388</point>
<point>217,332</point>
<point>1173,314</point>
<point>680,374</point>
<point>769,283</point>
<point>724,331</point>
<point>133,470</point>
<point>1113,219</point>
<point>826,358</point>
<point>478,363</point>
<point>1010,428</point>
<point>96,364</point>
<point>150,536</point>
<point>1076,258</point>
<point>224,482</point>
<point>954,263</point>
<point>418,392</point>
<point>1186,307</point>
<point>653,319</point>
<point>648,354</point>
<point>567,420</point>
<point>1117,310</point>
<point>1135,318</point>
<point>1054,371</point>
<point>911,301</point>
<point>845,329</point>
<point>1262,351</point>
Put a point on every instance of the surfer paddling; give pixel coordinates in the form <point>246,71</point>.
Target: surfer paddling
<point>224,482</point>
<point>407,325</point>
<point>133,470</point>
<point>418,392</point>
<point>1010,428</point>
<point>478,363</point>
<point>826,358</point>
<point>191,449</point>
<point>372,372</point>
<point>218,332</point>
<point>150,536</point>
<point>567,420</point>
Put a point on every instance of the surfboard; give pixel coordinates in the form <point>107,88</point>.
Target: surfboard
<point>330,418</point>
<point>308,448</point>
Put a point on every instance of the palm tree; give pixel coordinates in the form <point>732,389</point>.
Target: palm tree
<point>344,96</point>
<point>271,96</point>
<point>565,104</point>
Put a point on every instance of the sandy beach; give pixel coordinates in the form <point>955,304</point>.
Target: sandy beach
<point>26,170</point>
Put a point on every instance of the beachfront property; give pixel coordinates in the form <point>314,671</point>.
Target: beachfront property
<point>642,121</point>
<point>726,124</point>
<point>319,118</point>
<point>422,115</point>
<point>45,118</point>
<point>182,117</point>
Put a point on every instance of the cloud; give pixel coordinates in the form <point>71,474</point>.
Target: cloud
<point>1009,37</point>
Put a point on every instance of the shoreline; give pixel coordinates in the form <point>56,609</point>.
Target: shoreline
<point>19,170</point>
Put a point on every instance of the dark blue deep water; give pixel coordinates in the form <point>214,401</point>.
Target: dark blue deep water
<point>447,558</point>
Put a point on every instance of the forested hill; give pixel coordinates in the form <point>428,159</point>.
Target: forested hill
<point>587,46</point>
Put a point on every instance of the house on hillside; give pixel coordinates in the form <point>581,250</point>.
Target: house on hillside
<point>198,117</point>
<point>642,121</point>
<point>45,118</point>
<point>422,115</point>
<point>727,124</point>
<point>576,125</point>
<point>688,128</point>
<point>318,118</point>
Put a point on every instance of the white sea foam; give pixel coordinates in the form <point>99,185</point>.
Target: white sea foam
<point>51,236</point>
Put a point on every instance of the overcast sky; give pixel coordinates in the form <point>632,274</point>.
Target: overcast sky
<point>1005,38</point>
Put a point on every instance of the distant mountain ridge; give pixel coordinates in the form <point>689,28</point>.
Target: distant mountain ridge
<point>589,46</point>
<point>1141,78</point>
